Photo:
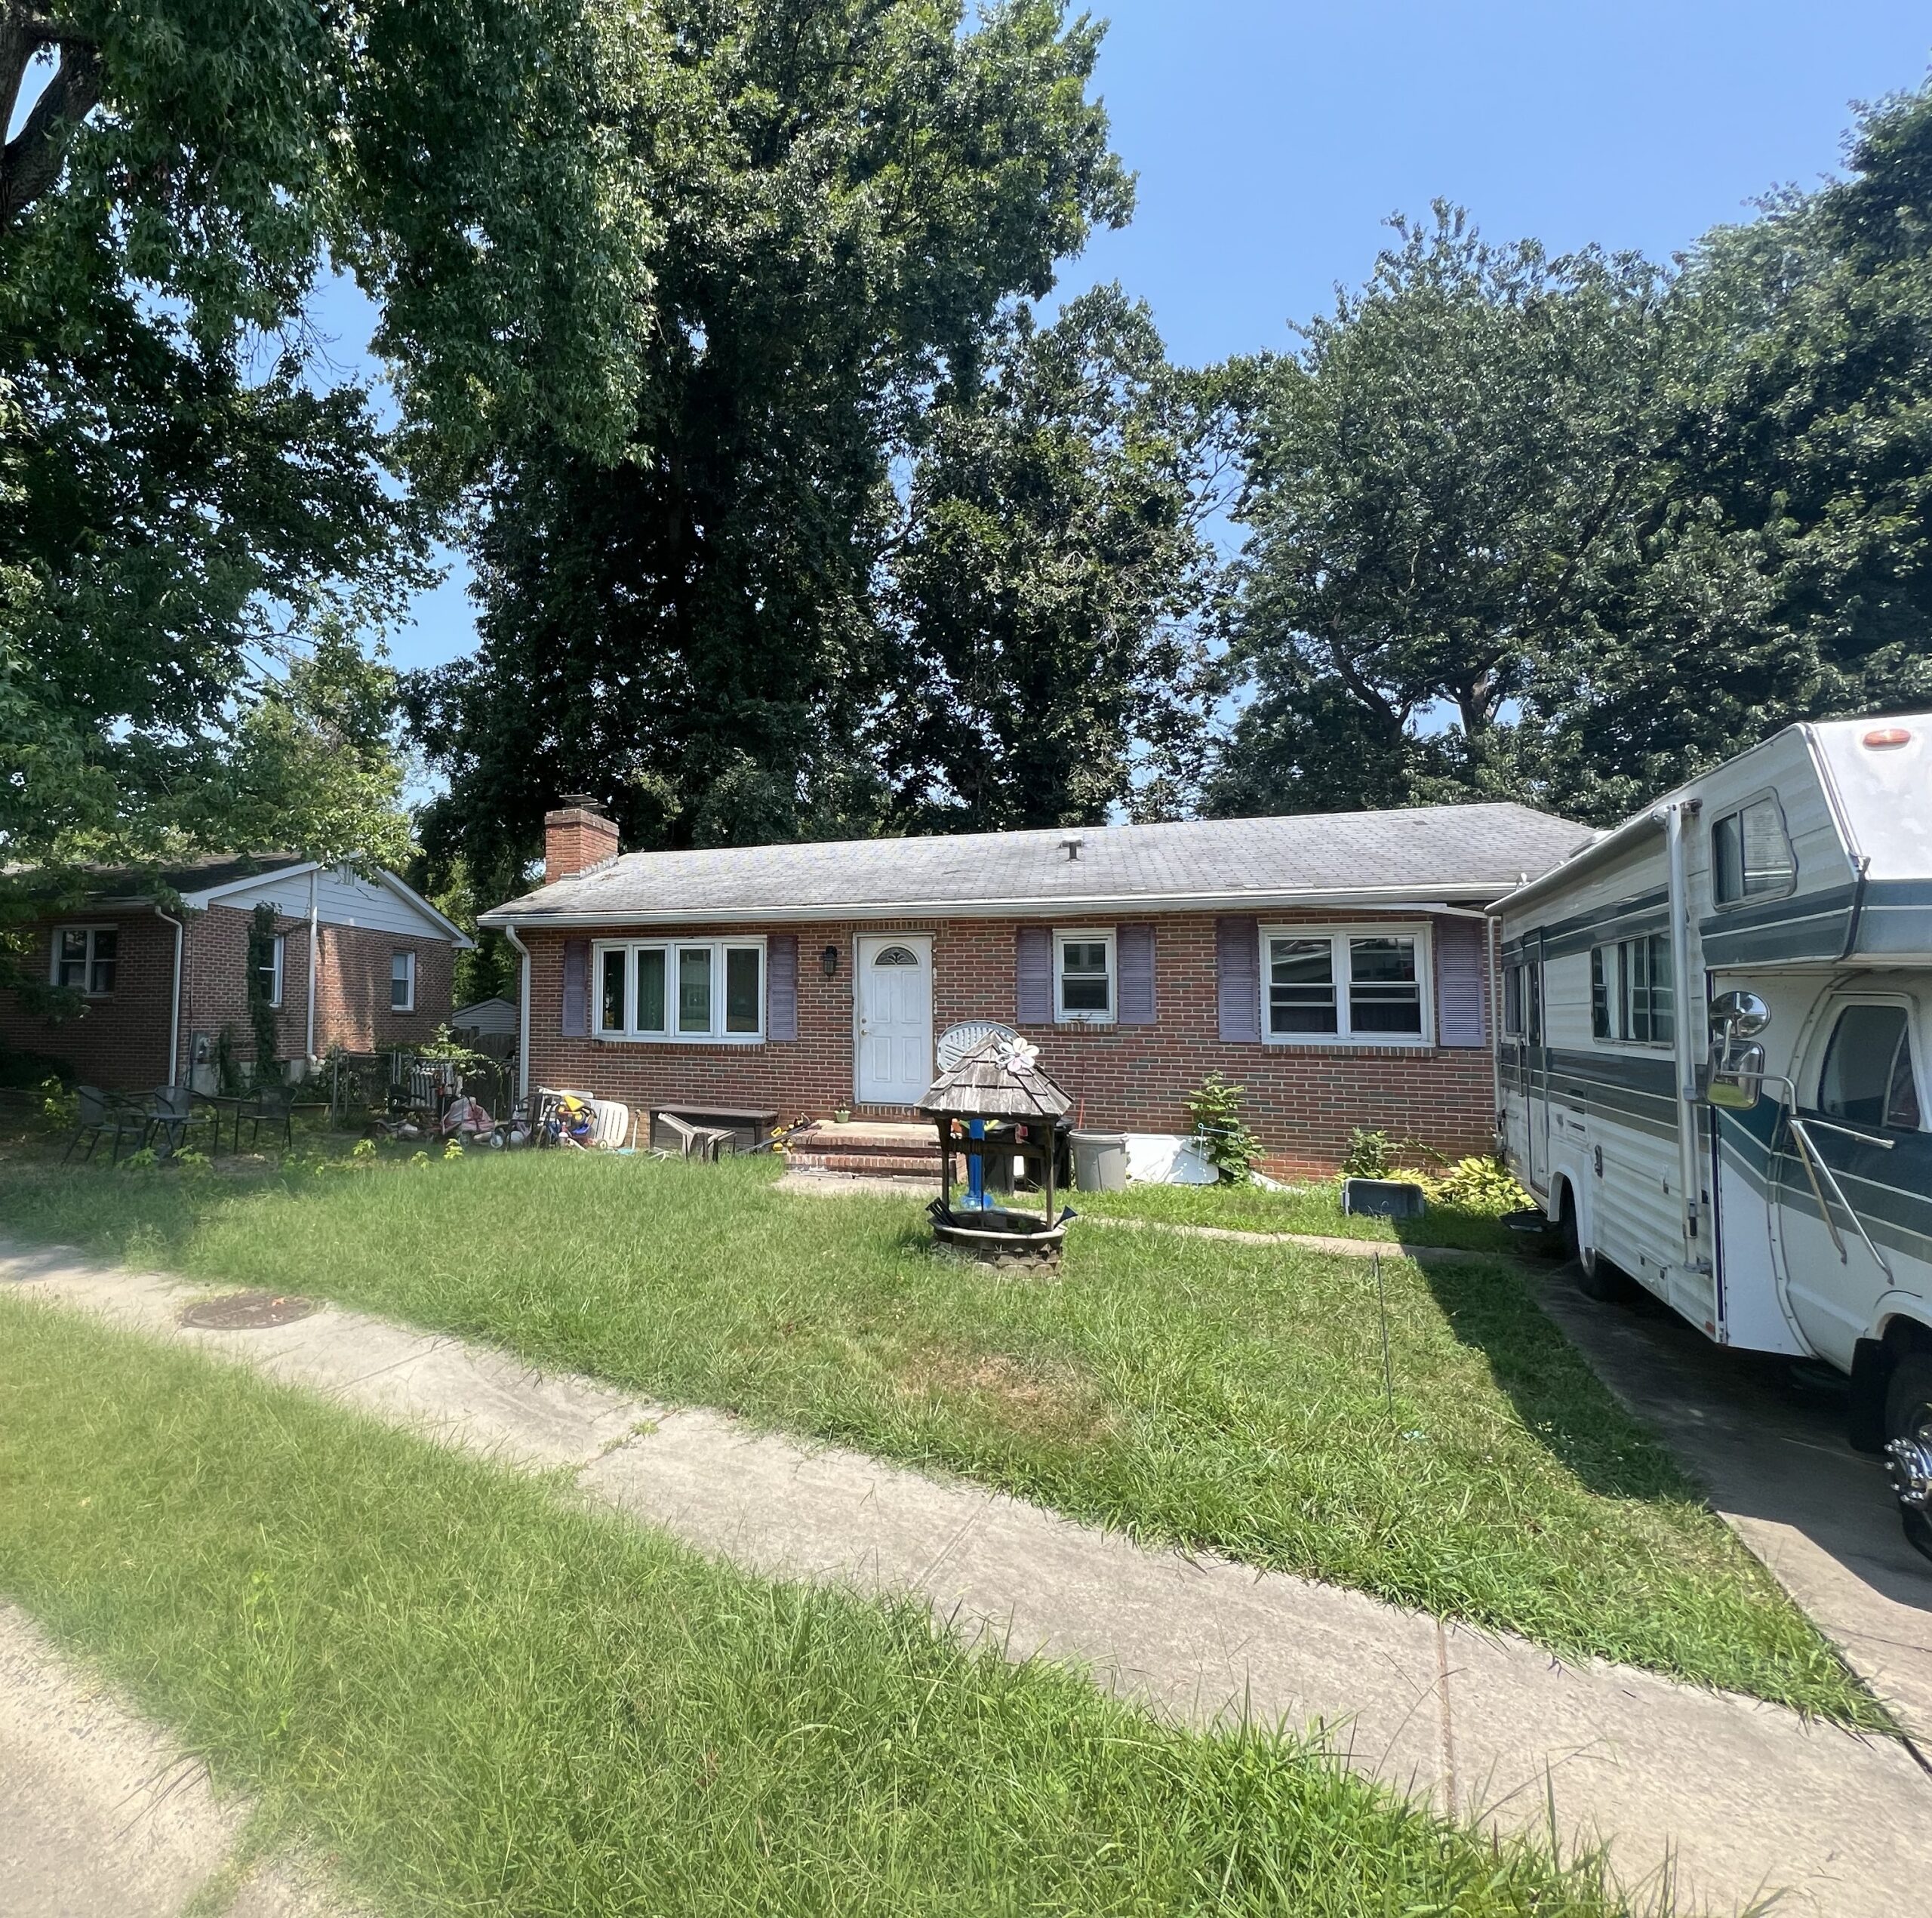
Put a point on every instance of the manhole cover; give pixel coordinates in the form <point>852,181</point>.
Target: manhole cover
<point>242,1311</point>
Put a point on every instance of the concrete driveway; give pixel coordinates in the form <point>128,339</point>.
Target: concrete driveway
<point>1766,1438</point>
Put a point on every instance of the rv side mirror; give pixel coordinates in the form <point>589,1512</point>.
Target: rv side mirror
<point>1738,1016</point>
<point>1735,1077</point>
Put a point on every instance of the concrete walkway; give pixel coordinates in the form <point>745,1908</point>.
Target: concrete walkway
<point>101,1813</point>
<point>1725,1797</point>
<point>1774,1459</point>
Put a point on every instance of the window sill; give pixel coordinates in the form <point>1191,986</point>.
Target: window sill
<point>735,1039</point>
<point>1352,1042</point>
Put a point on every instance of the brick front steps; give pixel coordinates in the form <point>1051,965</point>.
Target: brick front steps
<point>872,1149</point>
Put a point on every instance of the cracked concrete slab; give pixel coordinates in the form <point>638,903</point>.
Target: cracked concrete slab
<point>1725,1796</point>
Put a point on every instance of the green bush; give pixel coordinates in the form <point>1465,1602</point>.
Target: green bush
<point>1371,1155</point>
<point>1214,1107</point>
<point>1481,1184</point>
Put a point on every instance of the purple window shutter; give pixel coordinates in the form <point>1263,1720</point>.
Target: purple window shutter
<point>1238,977</point>
<point>576,989</point>
<point>1459,983</point>
<point>781,986</point>
<point>1134,946</point>
<point>1033,975</point>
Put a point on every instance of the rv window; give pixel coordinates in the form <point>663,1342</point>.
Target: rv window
<point>1646,1000</point>
<point>1600,963</point>
<point>1751,857</point>
<point>1512,1000</point>
<point>1868,1079</point>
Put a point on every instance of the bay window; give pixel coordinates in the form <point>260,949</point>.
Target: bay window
<point>1366,985</point>
<point>680,990</point>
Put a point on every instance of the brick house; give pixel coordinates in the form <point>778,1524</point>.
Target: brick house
<point>358,963</point>
<point>1336,965</point>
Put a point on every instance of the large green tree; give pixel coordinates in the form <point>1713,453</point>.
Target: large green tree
<point>1574,530</point>
<point>1049,582</point>
<point>1440,483</point>
<point>193,497</point>
<point>847,191</point>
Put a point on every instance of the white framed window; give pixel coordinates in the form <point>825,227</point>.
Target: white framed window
<point>1084,977</point>
<point>402,982</point>
<point>87,957</point>
<point>1360,985</point>
<point>1632,998</point>
<point>1751,854</point>
<point>692,991</point>
<point>271,971</point>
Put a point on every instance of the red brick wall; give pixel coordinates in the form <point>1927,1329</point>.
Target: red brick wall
<point>352,978</point>
<point>1302,1100</point>
<point>121,1040</point>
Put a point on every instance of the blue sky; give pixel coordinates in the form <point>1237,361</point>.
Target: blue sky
<point>1271,138</point>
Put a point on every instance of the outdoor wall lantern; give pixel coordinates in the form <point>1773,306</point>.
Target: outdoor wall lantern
<point>828,962</point>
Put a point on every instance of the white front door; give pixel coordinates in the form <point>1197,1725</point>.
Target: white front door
<point>895,999</point>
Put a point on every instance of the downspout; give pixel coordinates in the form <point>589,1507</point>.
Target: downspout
<point>522,1016</point>
<point>1687,1171</point>
<point>174,1003</point>
<point>1492,933</point>
<point>308,1047</point>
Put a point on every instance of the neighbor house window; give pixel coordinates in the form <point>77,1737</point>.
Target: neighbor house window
<point>402,982</point>
<point>1084,978</point>
<point>1751,855</point>
<point>1367,987</point>
<point>85,958</point>
<point>270,972</point>
<point>1631,993</point>
<point>677,989</point>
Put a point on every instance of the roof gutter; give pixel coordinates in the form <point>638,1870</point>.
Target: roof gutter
<point>1638,827</point>
<point>1414,899</point>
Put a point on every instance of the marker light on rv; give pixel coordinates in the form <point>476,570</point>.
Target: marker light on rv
<point>1881,739</point>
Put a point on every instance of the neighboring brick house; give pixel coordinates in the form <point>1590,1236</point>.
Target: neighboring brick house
<point>358,963</point>
<point>1336,965</point>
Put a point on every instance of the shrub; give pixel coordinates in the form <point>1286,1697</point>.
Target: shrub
<point>1371,1155</point>
<point>1481,1184</point>
<point>1214,1107</point>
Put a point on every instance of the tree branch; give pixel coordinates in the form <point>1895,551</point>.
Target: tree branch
<point>30,162</point>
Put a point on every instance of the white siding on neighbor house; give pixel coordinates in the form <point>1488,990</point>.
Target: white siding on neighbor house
<point>342,898</point>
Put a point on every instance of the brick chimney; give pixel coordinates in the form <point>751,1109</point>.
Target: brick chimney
<point>576,837</point>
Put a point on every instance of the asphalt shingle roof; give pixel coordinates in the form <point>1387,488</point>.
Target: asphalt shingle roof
<point>1464,852</point>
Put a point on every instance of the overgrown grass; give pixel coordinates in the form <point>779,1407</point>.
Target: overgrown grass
<point>1193,1389</point>
<point>477,1700</point>
<point>1312,1209</point>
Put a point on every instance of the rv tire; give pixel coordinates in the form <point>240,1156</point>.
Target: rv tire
<point>1908,1415</point>
<point>1596,1277</point>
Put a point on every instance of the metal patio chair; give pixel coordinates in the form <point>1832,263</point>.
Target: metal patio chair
<point>272,1106</point>
<point>104,1112</point>
<point>171,1114</point>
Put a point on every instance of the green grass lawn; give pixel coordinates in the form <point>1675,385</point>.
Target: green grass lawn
<point>475,1698</point>
<point>1199,1391</point>
<point>1315,1209</point>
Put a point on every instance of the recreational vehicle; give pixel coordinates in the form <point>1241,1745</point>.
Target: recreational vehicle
<point>1714,1068</point>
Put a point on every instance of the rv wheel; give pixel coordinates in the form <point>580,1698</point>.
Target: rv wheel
<point>1596,1277</point>
<point>1908,1444</point>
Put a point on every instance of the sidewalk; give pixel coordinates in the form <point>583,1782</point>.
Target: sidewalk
<point>100,1812</point>
<point>1740,1797</point>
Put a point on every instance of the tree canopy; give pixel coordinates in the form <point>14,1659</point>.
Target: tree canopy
<point>1569,530</point>
<point>849,191</point>
<point>1049,582</point>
